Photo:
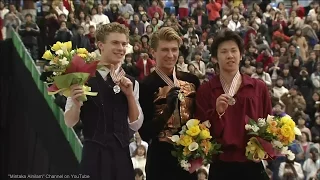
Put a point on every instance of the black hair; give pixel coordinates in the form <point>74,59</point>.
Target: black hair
<point>223,36</point>
<point>138,172</point>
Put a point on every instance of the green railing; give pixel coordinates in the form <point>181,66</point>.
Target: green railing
<point>69,133</point>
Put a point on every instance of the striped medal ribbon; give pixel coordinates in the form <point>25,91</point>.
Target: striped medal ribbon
<point>176,113</point>
<point>232,89</point>
<point>169,82</point>
<point>116,77</point>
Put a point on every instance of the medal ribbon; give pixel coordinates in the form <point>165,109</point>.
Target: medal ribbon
<point>166,79</point>
<point>176,114</point>
<point>115,77</point>
<point>230,90</point>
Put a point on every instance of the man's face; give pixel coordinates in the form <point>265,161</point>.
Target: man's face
<point>136,18</point>
<point>100,8</point>
<point>81,31</point>
<point>113,49</point>
<point>1,5</point>
<point>229,56</point>
<point>166,54</point>
<point>123,2</point>
<point>279,82</point>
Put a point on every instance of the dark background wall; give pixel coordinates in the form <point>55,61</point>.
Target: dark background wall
<point>31,141</point>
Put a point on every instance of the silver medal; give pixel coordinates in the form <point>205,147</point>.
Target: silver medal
<point>116,89</point>
<point>231,101</point>
<point>181,96</point>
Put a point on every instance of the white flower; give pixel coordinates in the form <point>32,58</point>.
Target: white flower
<point>175,138</point>
<point>193,146</point>
<point>269,118</point>
<point>54,73</point>
<point>261,122</point>
<point>290,155</point>
<point>192,122</point>
<point>207,124</point>
<point>248,127</point>
<point>64,61</point>
<point>185,165</point>
<point>297,131</point>
<point>183,130</point>
<point>93,55</point>
<point>277,144</point>
<point>255,128</point>
<point>59,52</point>
<point>72,52</point>
<point>52,62</point>
<point>284,150</point>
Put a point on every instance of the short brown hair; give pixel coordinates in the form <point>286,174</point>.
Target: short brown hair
<point>104,30</point>
<point>166,34</point>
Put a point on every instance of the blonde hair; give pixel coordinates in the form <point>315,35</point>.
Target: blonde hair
<point>165,34</point>
<point>104,30</point>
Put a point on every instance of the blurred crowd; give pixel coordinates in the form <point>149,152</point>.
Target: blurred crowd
<point>282,49</point>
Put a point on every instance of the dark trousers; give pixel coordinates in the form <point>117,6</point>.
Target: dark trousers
<point>106,162</point>
<point>220,170</point>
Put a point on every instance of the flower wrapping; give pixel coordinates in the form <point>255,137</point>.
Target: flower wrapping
<point>194,146</point>
<point>270,137</point>
<point>70,67</point>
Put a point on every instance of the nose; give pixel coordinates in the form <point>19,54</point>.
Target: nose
<point>170,54</point>
<point>229,55</point>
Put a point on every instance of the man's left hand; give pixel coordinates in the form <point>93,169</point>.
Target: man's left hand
<point>126,86</point>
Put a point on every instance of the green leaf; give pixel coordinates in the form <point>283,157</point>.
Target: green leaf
<point>174,153</point>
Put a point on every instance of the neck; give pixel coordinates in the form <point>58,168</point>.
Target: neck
<point>105,62</point>
<point>167,71</point>
<point>228,76</point>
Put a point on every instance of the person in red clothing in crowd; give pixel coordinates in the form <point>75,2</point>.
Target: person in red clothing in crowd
<point>296,7</point>
<point>155,8</point>
<point>213,8</point>
<point>229,109</point>
<point>1,26</point>
<point>144,65</point>
<point>265,58</point>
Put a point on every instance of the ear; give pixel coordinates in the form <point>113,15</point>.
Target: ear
<point>100,45</point>
<point>153,52</point>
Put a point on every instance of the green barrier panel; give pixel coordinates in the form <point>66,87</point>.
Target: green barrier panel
<point>69,133</point>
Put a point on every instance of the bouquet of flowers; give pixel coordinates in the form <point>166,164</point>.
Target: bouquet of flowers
<point>70,67</point>
<point>194,146</point>
<point>271,137</point>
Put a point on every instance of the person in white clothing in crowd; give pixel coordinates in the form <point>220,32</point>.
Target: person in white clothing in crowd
<point>290,170</point>
<point>139,159</point>
<point>137,141</point>
<point>100,18</point>
<point>312,164</point>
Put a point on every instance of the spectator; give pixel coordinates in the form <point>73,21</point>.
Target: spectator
<point>137,142</point>
<point>79,40</point>
<point>63,34</point>
<point>290,170</point>
<point>139,158</point>
<point>29,32</point>
<point>312,164</point>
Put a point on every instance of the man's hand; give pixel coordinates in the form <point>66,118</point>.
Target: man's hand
<point>172,97</point>
<point>126,86</point>
<point>222,103</point>
<point>76,92</point>
<point>28,29</point>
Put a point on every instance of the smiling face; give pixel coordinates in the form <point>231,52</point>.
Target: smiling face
<point>114,47</point>
<point>166,54</point>
<point>229,56</point>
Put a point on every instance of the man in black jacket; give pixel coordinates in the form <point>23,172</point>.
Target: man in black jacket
<point>29,32</point>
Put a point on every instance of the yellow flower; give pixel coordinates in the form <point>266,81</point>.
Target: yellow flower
<point>286,131</point>
<point>82,51</point>
<point>47,55</point>
<point>58,45</point>
<point>84,56</point>
<point>288,120</point>
<point>204,134</point>
<point>254,150</point>
<point>185,140</point>
<point>193,131</point>
<point>192,122</point>
<point>68,45</point>
<point>186,151</point>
